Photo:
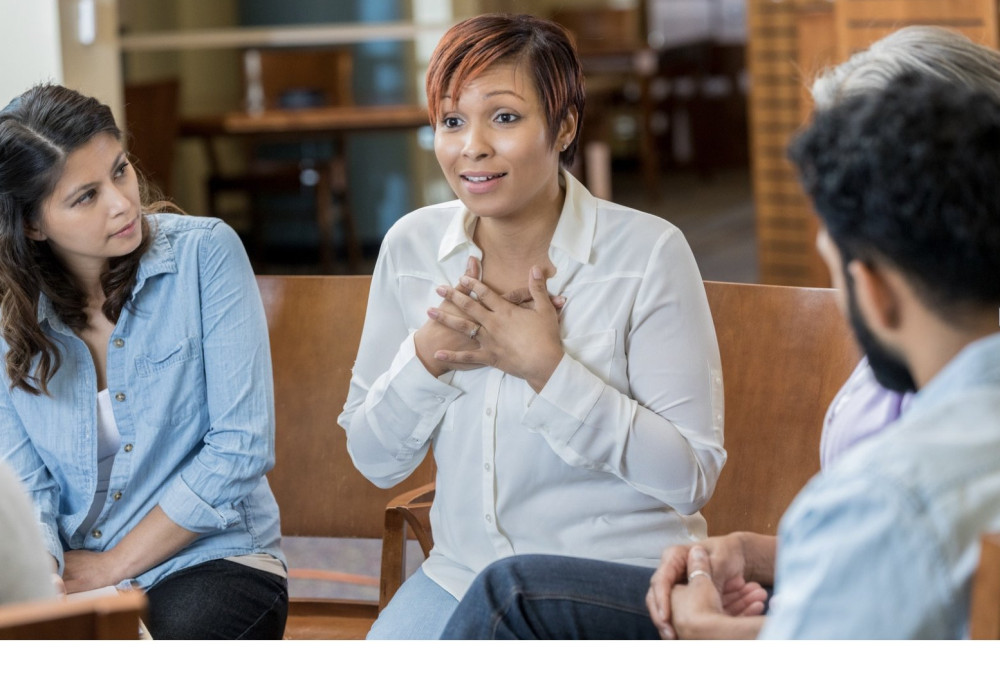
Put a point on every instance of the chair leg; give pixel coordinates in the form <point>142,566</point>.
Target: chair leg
<point>340,184</point>
<point>324,221</point>
<point>393,557</point>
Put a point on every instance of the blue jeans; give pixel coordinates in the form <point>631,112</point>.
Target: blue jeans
<point>218,600</point>
<point>419,610</point>
<point>536,596</point>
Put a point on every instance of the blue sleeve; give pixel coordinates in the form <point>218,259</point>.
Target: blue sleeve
<point>858,559</point>
<point>239,446</point>
<point>34,476</point>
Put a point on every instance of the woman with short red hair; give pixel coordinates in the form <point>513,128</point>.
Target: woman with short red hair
<point>581,414</point>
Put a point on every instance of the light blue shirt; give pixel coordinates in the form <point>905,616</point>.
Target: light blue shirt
<point>189,373</point>
<point>885,545</point>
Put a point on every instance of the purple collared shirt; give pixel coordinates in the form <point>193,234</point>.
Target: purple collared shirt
<point>861,408</point>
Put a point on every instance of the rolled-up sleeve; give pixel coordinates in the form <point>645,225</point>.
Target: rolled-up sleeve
<point>239,446</point>
<point>35,477</point>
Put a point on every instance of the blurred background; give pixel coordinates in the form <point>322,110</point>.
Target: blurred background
<point>303,122</point>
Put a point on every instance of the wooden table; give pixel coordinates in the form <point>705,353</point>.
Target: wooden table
<point>308,122</point>
<point>305,124</point>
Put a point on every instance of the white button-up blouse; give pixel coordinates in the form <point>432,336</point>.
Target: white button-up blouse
<point>614,457</point>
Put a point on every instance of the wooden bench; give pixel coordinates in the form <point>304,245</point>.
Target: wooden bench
<point>984,613</point>
<point>114,616</point>
<point>315,323</point>
<point>785,352</point>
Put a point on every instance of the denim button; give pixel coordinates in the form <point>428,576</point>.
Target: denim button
<point>119,396</point>
<point>119,343</point>
<point>127,447</point>
<point>96,534</point>
<point>117,496</point>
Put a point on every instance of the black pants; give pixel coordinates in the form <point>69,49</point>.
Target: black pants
<point>218,600</point>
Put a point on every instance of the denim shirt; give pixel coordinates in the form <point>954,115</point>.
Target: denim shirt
<point>885,544</point>
<point>189,373</point>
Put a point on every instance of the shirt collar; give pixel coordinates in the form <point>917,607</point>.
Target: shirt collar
<point>159,259</point>
<point>574,234</point>
<point>977,365</point>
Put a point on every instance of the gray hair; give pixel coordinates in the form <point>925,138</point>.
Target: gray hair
<point>934,51</point>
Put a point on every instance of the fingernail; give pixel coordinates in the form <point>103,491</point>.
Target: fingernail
<point>440,355</point>
<point>466,280</point>
<point>433,313</point>
<point>536,272</point>
<point>442,290</point>
<point>559,300</point>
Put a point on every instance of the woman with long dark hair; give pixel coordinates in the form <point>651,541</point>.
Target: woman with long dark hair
<point>138,406</point>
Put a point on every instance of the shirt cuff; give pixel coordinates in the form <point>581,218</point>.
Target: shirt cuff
<point>413,401</point>
<point>187,509</point>
<point>54,546</point>
<point>565,401</point>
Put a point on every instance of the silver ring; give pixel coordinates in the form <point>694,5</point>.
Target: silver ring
<point>474,332</point>
<point>698,572</point>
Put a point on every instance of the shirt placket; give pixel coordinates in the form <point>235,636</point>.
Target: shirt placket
<point>490,412</point>
<point>122,466</point>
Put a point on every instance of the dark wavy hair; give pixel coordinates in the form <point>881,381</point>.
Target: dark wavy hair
<point>38,131</point>
<point>545,48</point>
<point>908,176</point>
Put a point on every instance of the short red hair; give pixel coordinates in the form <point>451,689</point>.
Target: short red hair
<point>476,44</point>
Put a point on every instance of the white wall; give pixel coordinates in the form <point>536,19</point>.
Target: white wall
<point>38,43</point>
<point>29,46</point>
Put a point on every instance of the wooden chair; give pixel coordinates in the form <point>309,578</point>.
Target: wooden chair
<point>153,123</point>
<point>785,353</point>
<point>114,616</point>
<point>284,79</point>
<point>984,615</point>
<point>617,62</point>
<point>315,327</point>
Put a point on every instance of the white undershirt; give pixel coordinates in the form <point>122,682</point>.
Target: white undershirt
<point>108,443</point>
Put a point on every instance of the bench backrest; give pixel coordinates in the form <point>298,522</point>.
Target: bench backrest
<point>785,353</point>
<point>315,326</point>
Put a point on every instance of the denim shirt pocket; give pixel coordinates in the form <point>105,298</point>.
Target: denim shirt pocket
<point>169,380</point>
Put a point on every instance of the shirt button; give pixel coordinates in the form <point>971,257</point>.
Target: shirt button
<point>119,343</point>
<point>489,518</point>
<point>486,466</point>
<point>128,447</point>
<point>489,411</point>
<point>119,396</point>
<point>117,496</point>
<point>439,399</point>
<point>96,534</point>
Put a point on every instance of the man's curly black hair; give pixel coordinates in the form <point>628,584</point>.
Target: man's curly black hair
<point>909,176</point>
